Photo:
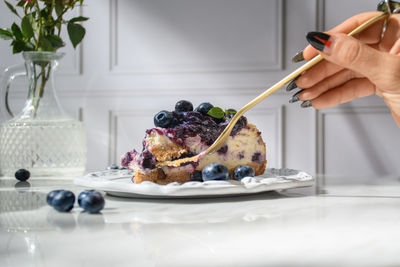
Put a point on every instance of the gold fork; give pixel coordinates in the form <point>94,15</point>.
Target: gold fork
<point>221,140</point>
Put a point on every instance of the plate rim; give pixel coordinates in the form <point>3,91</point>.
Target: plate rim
<point>206,189</point>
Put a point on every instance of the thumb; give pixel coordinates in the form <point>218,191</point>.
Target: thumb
<point>350,53</point>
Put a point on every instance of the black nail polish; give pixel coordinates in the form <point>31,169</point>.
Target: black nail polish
<point>298,57</point>
<point>292,85</point>
<point>319,40</point>
<point>295,97</point>
<point>306,104</point>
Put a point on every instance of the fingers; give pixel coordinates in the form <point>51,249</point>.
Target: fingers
<point>369,36</point>
<point>381,68</point>
<point>317,73</point>
<point>351,90</point>
<point>331,82</point>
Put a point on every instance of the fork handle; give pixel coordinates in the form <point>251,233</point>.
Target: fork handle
<point>221,139</point>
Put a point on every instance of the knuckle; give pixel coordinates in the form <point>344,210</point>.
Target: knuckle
<point>350,51</point>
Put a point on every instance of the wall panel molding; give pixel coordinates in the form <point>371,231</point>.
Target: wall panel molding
<point>321,119</point>
<point>172,68</point>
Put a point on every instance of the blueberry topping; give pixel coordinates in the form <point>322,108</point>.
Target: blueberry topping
<point>63,200</point>
<point>92,201</point>
<point>112,167</point>
<point>203,108</point>
<point>51,195</point>
<point>216,171</point>
<point>22,175</point>
<point>82,195</point>
<point>243,171</point>
<point>183,106</point>
<point>163,119</point>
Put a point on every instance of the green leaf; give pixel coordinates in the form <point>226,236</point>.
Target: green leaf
<point>18,46</point>
<point>230,111</point>
<point>5,34</point>
<point>26,26</point>
<point>216,112</point>
<point>12,8</point>
<point>16,31</point>
<point>77,19</point>
<point>56,41</point>
<point>59,8</point>
<point>45,45</point>
<point>76,33</point>
<point>21,3</point>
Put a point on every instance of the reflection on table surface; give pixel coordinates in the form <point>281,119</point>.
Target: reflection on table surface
<point>354,217</point>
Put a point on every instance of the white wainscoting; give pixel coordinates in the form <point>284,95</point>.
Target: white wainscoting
<point>141,56</point>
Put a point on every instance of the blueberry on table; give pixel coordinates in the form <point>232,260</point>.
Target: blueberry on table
<point>203,108</point>
<point>216,171</point>
<point>163,119</point>
<point>63,200</point>
<point>112,167</point>
<point>82,195</point>
<point>243,171</point>
<point>92,202</point>
<point>22,175</point>
<point>183,106</point>
<point>51,195</point>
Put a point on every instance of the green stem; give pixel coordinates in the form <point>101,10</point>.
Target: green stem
<point>40,25</point>
<point>44,78</point>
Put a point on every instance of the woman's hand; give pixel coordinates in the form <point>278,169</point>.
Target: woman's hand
<point>355,66</point>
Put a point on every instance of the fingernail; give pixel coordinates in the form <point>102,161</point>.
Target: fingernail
<point>320,41</point>
<point>306,104</point>
<point>292,85</point>
<point>295,97</point>
<point>298,57</point>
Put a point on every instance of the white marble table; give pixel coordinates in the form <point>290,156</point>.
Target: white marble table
<point>345,224</point>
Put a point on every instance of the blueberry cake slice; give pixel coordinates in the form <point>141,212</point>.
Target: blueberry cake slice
<point>184,133</point>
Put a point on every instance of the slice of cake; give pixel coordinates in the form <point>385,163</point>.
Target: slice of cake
<point>184,133</point>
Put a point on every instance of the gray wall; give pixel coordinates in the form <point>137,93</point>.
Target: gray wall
<point>141,56</point>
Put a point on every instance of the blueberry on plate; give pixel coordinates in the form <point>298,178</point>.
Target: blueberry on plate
<point>22,175</point>
<point>92,202</point>
<point>82,195</point>
<point>63,200</point>
<point>216,171</point>
<point>243,171</point>
<point>203,108</point>
<point>183,106</point>
<point>163,119</point>
<point>51,195</point>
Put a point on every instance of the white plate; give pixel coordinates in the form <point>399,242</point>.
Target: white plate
<point>119,183</point>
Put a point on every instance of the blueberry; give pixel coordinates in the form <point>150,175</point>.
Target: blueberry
<point>82,195</point>
<point>51,195</point>
<point>243,171</point>
<point>203,108</point>
<point>216,171</point>
<point>112,167</point>
<point>63,200</point>
<point>92,202</point>
<point>163,119</point>
<point>22,175</point>
<point>183,106</point>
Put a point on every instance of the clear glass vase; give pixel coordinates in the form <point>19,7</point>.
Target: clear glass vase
<point>42,138</point>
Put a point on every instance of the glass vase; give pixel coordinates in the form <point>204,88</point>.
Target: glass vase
<point>42,138</point>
